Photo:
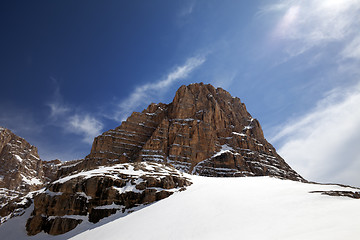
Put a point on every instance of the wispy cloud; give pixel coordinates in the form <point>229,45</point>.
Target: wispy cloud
<point>57,106</point>
<point>352,50</point>
<point>72,120</point>
<point>323,145</point>
<point>312,23</point>
<point>188,8</point>
<point>85,125</point>
<point>143,93</point>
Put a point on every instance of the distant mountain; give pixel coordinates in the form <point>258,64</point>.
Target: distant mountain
<point>21,172</point>
<point>150,156</point>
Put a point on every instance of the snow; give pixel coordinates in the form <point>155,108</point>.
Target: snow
<point>123,168</point>
<point>31,181</point>
<point>111,206</point>
<point>239,134</point>
<point>230,208</point>
<point>225,208</point>
<point>70,165</point>
<point>224,149</point>
<point>18,158</point>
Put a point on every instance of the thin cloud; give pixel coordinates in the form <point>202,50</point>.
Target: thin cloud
<point>57,109</point>
<point>311,23</point>
<point>84,125</point>
<point>188,9</point>
<point>57,106</point>
<point>352,50</point>
<point>323,145</point>
<point>71,120</point>
<point>142,93</point>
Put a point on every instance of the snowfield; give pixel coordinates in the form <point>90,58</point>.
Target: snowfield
<point>226,208</point>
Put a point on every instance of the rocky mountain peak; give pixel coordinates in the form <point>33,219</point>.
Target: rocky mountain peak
<point>21,172</point>
<point>21,166</point>
<point>204,131</point>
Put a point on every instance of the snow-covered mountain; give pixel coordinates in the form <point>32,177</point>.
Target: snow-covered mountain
<point>226,208</point>
<point>196,168</point>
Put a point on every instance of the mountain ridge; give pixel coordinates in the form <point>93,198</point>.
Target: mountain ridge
<point>203,131</point>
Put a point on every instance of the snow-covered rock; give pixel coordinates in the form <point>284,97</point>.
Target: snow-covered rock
<point>225,208</point>
<point>101,192</point>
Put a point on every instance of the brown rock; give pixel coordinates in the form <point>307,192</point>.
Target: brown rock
<point>200,122</point>
<point>102,194</point>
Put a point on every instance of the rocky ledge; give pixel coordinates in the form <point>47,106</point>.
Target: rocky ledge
<point>98,193</point>
<point>204,131</point>
<point>350,194</point>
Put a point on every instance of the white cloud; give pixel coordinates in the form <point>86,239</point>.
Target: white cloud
<point>352,50</point>
<point>313,23</point>
<point>323,145</point>
<point>57,109</point>
<point>188,8</point>
<point>85,125</point>
<point>142,93</point>
<point>57,106</point>
<point>72,121</point>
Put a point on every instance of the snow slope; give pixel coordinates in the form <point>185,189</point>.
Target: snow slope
<point>230,208</point>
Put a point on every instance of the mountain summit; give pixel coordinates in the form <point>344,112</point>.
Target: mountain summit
<point>203,131</point>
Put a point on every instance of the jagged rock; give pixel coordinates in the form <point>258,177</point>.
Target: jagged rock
<point>203,131</point>
<point>20,165</point>
<point>50,169</point>
<point>21,172</point>
<point>191,133</point>
<point>349,194</point>
<point>98,193</point>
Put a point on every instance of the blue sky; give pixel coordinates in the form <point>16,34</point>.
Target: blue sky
<point>71,70</point>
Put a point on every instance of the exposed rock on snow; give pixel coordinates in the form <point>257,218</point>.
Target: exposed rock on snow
<point>351,194</point>
<point>204,131</point>
<point>101,192</point>
<point>223,208</point>
<point>21,172</point>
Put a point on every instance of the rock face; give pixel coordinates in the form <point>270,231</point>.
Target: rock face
<point>21,167</point>
<point>21,171</point>
<point>204,131</point>
<point>98,193</point>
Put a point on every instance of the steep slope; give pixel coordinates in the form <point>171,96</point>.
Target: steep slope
<point>21,167</point>
<point>21,172</point>
<point>204,131</point>
<point>227,208</point>
<point>242,208</point>
<point>98,193</point>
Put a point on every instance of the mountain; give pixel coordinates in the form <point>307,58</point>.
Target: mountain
<point>152,155</point>
<point>21,172</point>
<point>225,208</point>
<point>21,167</point>
<point>203,131</point>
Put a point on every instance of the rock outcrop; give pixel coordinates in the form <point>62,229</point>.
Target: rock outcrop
<point>21,167</point>
<point>204,131</point>
<point>22,172</point>
<point>98,193</point>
